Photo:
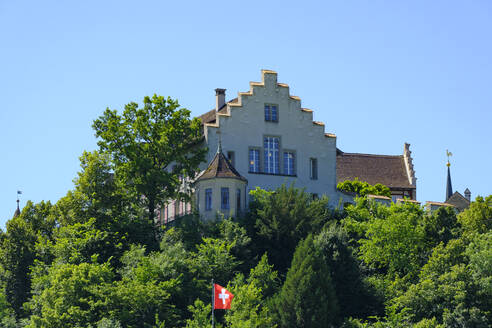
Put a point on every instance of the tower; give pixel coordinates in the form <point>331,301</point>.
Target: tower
<point>17,211</point>
<point>449,187</point>
<point>220,189</point>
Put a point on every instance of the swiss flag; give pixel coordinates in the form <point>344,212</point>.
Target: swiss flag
<point>222,298</point>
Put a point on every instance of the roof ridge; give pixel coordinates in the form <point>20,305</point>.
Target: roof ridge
<point>372,155</point>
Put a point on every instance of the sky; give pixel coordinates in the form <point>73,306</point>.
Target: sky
<point>377,73</point>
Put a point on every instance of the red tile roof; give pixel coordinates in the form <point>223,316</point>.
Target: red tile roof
<point>388,170</point>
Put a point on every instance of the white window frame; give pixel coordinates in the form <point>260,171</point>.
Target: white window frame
<point>271,151</point>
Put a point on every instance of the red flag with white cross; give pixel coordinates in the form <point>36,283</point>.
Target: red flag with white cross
<point>222,298</point>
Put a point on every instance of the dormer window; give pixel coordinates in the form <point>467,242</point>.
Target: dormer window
<point>271,113</point>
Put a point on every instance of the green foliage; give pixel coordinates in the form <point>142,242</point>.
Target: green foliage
<point>145,142</point>
<point>247,308</point>
<point>441,226</point>
<point>453,286</point>
<point>283,218</point>
<point>478,217</point>
<point>307,298</point>
<point>394,241</point>
<point>354,296</point>
<point>82,242</point>
<point>201,315</point>
<point>214,258</point>
<point>264,277</point>
<point>18,252</point>
<point>73,296</point>
<point>92,261</point>
<point>136,303</point>
<point>363,188</point>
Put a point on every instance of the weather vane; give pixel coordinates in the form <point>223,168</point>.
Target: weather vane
<point>449,154</point>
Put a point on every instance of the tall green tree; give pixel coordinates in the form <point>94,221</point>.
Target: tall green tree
<point>151,147</point>
<point>307,298</point>
<point>18,252</point>
<point>281,219</point>
<point>354,297</point>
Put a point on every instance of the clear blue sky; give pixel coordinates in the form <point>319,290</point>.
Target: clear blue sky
<point>377,73</point>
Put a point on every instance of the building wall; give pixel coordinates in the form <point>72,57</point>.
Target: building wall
<point>244,127</point>
<point>216,185</point>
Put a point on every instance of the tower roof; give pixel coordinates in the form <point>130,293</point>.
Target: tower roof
<point>220,167</point>
<point>17,211</point>
<point>449,187</point>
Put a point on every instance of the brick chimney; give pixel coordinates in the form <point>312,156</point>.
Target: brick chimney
<point>219,98</point>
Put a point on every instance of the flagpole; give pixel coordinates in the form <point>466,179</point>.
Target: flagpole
<point>213,303</point>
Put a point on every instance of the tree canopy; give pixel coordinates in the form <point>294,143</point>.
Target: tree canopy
<point>152,147</point>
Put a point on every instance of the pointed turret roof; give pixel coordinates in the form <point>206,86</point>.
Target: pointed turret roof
<point>449,187</point>
<point>220,167</point>
<point>17,211</point>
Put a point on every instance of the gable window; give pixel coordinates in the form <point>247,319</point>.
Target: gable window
<point>270,146</point>
<point>271,113</point>
<point>254,160</point>
<point>289,159</point>
<point>224,192</point>
<point>208,199</point>
<point>230,157</point>
<point>313,168</point>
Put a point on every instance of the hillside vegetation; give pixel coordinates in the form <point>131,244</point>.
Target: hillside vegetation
<point>96,258</point>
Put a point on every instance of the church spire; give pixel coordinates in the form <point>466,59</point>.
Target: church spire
<point>449,187</point>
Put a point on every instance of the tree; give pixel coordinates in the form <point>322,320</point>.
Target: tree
<point>363,188</point>
<point>282,218</point>
<point>151,146</point>
<point>71,295</point>
<point>18,253</point>
<point>478,217</point>
<point>391,239</point>
<point>307,298</point>
<point>353,295</point>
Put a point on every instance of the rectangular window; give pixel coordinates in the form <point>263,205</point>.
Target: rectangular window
<point>230,157</point>
<point>315,196</point>
<point>313,165</point>
<point>224,198</point>
<point>254,160</point>
<point>270,146</point>
<point>289,159</point>
<point>208,199</point>
<point>238,201</point>
<point>271,113</point>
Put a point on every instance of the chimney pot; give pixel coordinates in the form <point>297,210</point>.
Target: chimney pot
<point>219,98</point>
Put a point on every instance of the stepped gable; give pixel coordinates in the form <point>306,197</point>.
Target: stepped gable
<point>388,170</point>
<point>211,118</point>
<point>220,167</point>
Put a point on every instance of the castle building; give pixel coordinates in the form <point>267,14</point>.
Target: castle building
<point>268,139</point>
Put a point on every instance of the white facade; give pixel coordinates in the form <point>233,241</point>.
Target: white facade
<point>244,127</point>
